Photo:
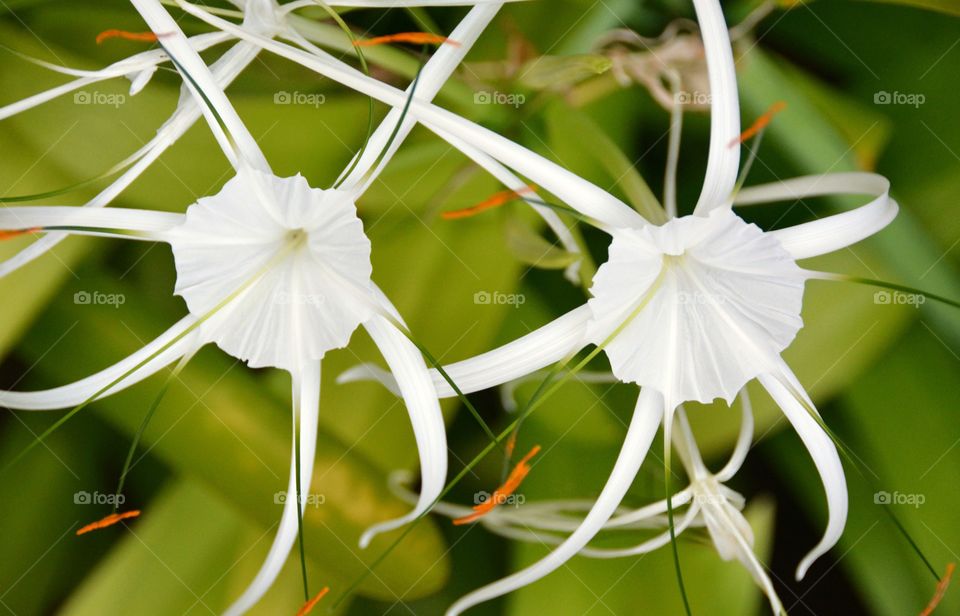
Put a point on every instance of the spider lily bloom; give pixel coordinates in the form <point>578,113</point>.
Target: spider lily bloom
<point>264,17</point>
<point>709,504</point>
<point>690,310</point>
<point>273,271</point>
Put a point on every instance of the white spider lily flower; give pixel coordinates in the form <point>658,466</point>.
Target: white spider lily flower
<point>708,504</point>
<point>690,310</point>
<point>274,272</point>
<point>265,18</point>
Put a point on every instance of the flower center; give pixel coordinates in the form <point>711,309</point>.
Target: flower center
<point>700,305</point>
<point>282,268</point>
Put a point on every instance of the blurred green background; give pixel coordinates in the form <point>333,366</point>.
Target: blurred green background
<point>884,375</point>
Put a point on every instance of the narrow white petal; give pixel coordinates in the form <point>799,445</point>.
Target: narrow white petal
<point>432,77</point>
<point>309,409</point>
<point>590,200</point>
<point>418,392</point>
<point>138,63</point>
<point>162,351</point>
<point>833,232</point>
<point>744,440</point>
<point>724,156</point>
<point>647,546</point>
<point>178,46</point>
<point>643,427</point>
<point>152,223</point>
<point>823,452</point>
<point>538,349</point>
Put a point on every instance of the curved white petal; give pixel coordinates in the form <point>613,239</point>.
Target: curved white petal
<point>432,77</point>
<point>643,427</point>
<point>411,374</point>
<point>744,440</point>
<point>135,64</point>
<point>823,452</point>
<point>647,546</point>
<point>308,401</point>
<point>724,156</point>
<point>151,223</point>
<point>538,349</point>
<point>164,350</point>
<point>178,46</point>
<point>833,232</point>
<point>580,194</point>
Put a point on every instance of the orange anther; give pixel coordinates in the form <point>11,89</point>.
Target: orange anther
<point>760,124</point>
<point>941,590</point>
<point>496,200</point>
<point>143,37</point>
<point>9,235</point>
<point>516,477</point>
<point>110,520</point>
<point>417,38</point>
<point>309,605</point>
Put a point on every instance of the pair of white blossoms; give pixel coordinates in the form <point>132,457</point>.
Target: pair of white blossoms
<point>262,238</point>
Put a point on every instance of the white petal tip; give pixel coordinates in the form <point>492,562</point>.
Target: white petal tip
<point>366,538</point>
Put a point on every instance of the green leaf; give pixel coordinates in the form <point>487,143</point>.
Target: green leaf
<point>219,427</point>
<point>198,554</point>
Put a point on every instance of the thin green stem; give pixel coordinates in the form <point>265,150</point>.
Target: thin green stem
<point>128,462</point>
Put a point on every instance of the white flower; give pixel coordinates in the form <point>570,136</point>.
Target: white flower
<point>691,310</point>
<point>707,501</point>
<point>273,271</point>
